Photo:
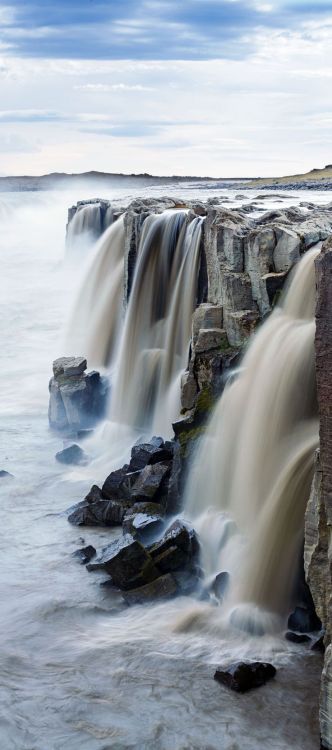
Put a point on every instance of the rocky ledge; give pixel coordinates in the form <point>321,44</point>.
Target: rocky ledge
<point>77,398</point>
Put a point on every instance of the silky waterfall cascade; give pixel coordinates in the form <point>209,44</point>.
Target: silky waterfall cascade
<point>250,481</point>
<point>156,336</point>
<point>95,322</point>
<point>87,225</point>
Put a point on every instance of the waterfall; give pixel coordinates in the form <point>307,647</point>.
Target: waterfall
<point>87,224</point>
<point>156,336</point>
<point>96,319</point>
<point>146,349</point>
<point>250,481</point>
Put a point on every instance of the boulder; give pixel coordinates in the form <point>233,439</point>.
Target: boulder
<point>143,520</point>
<point>164,587</point>
<point>119,483</point>
<point>85,554</point>
<point>95,510</point>
<point>147,454</point>
<point>179,534</point>
<point>73,454</point>
<point>127,562</point>
<point>150,482</point>
<point>244,676</point>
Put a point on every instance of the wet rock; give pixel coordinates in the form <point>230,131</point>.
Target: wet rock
<point>212,338</point>
<point>119,483</point>
<point>244,676</point>
<point>171,559</point>
<point>304,620</point>
<point>127,562</point>
<point>180,535</point>
<point>77,399</point>
<point>72,455</point>
<point>150,481</point>
<point>319,643</point>
<point>156,451</point>
<point>240,325</point>
<point>6,474</point>
<point>164,587</point>
<point>98,512</point>
<point>297,637</point>
<point>220,585</point>
<point>287,250</point>
<point>187,580</point>
<point>85,554</point>
<point>143,520</point>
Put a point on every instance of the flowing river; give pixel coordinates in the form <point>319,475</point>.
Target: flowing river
<point>78,670</point>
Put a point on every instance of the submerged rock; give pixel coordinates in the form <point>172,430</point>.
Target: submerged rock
<point>220,585</point>
<point>6,474</point>
<point>304,620</point>
<point>72,455</point>
<point>162,588</point>
<point>297,637</point>
<point>85,554</point>
<point>244,676</point>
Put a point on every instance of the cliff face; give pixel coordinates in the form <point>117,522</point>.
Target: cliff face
<point>318,550</point>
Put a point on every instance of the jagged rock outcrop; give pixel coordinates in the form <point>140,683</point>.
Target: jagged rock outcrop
<point>318,551</point>
<point>77,398</point>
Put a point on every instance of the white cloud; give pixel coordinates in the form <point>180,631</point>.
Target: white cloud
<point>109,87</point>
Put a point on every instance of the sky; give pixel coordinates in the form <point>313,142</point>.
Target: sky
<point>225,88</point>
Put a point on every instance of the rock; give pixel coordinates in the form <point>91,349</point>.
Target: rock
<point>240,325</point>
<point>156,451</point>
<point>162,588</point>
<point>205,317</point>
<point>274,283</point>
<point>119,483</point>
<point>212,338</point>
<point>287,250</point>
<point>304,620</point>
<point>319,643</point>
<point>72,455</point>
<point>297,637</point>
<point>143,520</point>
<point>77,399</point>
<point>220,585</point>
<point>244,676</point>
<point>100,512</point>
<point>69,366</point>
<point>127,562</point>
<point>150,481</point>
<point>180,535</point>
<point>187,580</point>
<point>6,474</point>
<point>85,554</point>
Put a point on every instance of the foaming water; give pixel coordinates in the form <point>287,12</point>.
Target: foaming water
<point>78,669</point>
<point>251,479</point>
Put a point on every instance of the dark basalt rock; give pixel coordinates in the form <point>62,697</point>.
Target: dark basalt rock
<point>100,512</point>
<point>297,637</point>
<point>156,451</point>
<point>220,585</point>
<point>119,483</point>
<point>143,520</point>
<point>164,587</point>
<point>127,562</point>
<point>85,554</point>
<point>304,620</point>
<point>244,676</point>
<point>149,484</point>
<point>172,559</point>
<point>77,399</point>
<point>179,534</point>
<point>72,455</point>
<point>319,643</point>
<point>6,474</point>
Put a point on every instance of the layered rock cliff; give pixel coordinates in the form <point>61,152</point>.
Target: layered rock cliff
<point>318,551</point>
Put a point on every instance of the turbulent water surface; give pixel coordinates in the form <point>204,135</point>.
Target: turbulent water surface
<point>77,669</point>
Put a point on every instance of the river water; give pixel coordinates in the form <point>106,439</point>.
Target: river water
<point>78,670</point>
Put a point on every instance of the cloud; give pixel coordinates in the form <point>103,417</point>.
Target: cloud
<point>104,88</point>
<point>145,29</point>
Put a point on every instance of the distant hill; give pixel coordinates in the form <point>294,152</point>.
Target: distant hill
<point>315,175</point>
<point>59,180</point>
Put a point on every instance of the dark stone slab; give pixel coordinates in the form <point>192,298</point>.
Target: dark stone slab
<point>244,676</point>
